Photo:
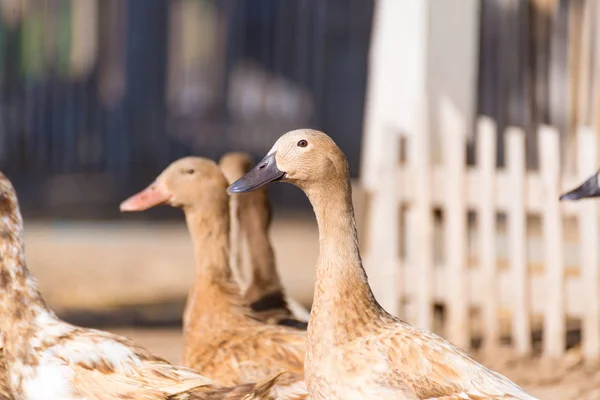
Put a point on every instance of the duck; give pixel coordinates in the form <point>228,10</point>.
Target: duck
<point>47,358</point>
<point>250,218</point>
<point>223,338</point>
<point>589,188</point>
<point>355,349</point>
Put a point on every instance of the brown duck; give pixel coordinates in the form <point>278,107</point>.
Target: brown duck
<point>250,223</point>
<point>222,337</point>
<point>355,349</point>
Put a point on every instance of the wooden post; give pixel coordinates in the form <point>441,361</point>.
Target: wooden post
<point>455,217</point>
<point>486,162</point>
<point>554,315</point>
<point>588,249</point>
<point>397,78</point>
<point>418,56</point>
<point>517,236</point>
<point>384,228</point>
<point>421,226</point>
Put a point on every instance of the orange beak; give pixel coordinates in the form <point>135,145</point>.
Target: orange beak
<point>153,195</point>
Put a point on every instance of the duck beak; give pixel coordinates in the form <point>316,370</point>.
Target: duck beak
<point>589,188</point>
<point>265,171</point>
<point>153,195</point>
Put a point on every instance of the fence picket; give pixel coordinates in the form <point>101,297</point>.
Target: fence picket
<point>455,218</point>
<point>554,314</point>
<point>588,249</point>
<point>421,224</point>
<point>486,161</point>
<point>381,261</point>
<point>517,236</point>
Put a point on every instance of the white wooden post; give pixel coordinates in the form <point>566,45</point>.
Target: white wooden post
<point>397,78</point>
<point>517,236</point>
<point>455,218</point>
<point>421,228</point>
<point>486,162</point>
<point>589,239</point>
<point>384,229</point>
<point>421,52</point>
<point>554,315</point>
<point>396,93</point>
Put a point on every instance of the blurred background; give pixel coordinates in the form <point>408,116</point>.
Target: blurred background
<point>98,96</point>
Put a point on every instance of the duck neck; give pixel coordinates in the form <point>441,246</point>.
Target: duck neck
<point>214,291</point>
<point>23,312</point>
<point>255,218</point>
<point>209,229</point>
<point>343,298</point>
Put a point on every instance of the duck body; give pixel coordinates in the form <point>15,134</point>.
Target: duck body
<point>66,362</point>
<point>230,346</point>
<point>46,358</point>
<point>223,337</point>
<point>355,349</point>
<point>431,368</point>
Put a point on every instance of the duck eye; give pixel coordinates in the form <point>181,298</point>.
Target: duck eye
<point>189,171</point>
<point>302,143</point>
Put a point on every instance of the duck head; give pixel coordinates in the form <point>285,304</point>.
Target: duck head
<point>185,183</point>
<point>301,157</point>
<point>589,188</point>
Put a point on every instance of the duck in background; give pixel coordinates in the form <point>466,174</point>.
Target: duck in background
<point>587,189</point>
<point>355,349</point>
<point>47,358</point>
<point>250,216</point>
<point>223,339</point>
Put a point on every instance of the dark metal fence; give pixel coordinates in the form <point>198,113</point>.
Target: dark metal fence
<point>98,96</point>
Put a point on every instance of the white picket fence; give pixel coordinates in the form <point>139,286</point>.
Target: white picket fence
<point>499,278</point>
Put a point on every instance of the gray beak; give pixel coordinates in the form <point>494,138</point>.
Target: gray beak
<point>589,188</point>
<point>265,171</point>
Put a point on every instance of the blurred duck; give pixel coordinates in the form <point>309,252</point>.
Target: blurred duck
<point>355,349</point>
<point>250,217</point>
<point>589,188</point>
<point>222,337</point>
<point>49,359</point>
